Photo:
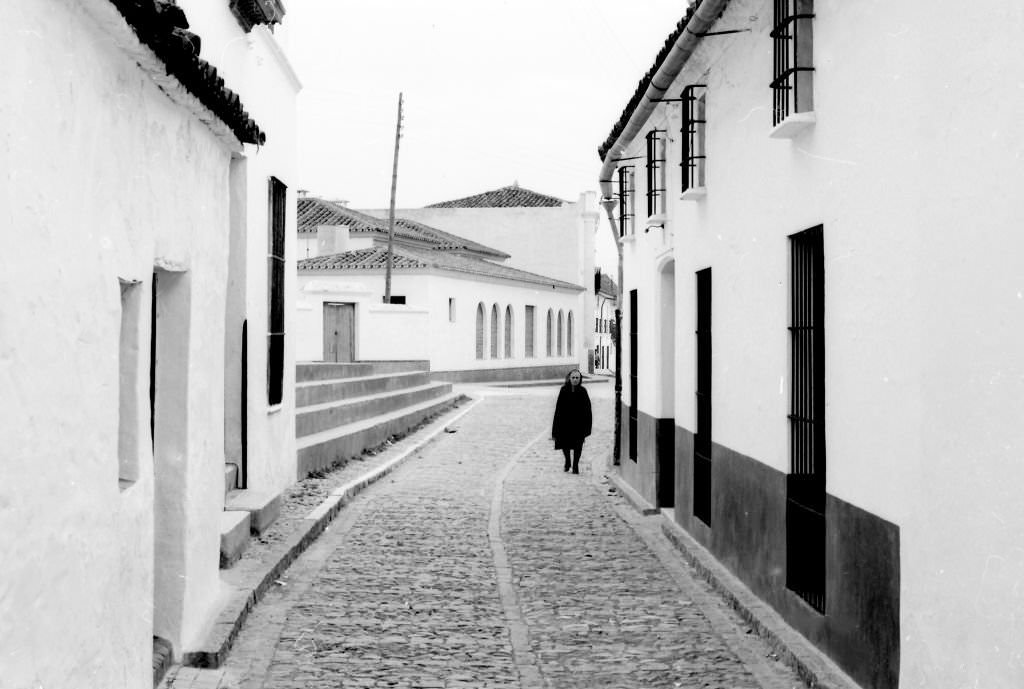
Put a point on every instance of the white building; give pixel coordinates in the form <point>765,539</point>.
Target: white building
<point>540,233</point>
<point>823,324</point>
<point>469,316</point>
<point>126,254</point>
<point>605,298</point>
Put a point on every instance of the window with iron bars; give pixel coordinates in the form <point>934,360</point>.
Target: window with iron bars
<point>793,82</point>
<point>655,172</point>
<point>634,385</point>
<point>702,437</point>
<point>625,195</point>
<point>278,195</point>
<point>805,484</point>
<point>694,157</point>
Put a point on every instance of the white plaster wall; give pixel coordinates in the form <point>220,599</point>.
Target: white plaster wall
<point>913,169</point>
<point>255,66</point>
<point>106,177</point>
<point>421,329</point>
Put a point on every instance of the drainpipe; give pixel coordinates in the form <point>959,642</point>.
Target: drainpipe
<point>705,14</point>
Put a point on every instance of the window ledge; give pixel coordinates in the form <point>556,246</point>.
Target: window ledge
<point>793,125</point>
<point>628,239</point>
<point>694,194</point>
<point>275,408</point>
<point>656,220</point>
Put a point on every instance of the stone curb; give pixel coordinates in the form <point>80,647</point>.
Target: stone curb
<point>218,641</point>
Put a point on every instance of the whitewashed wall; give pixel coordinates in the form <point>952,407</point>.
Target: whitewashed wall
<point>421,329</point>
<point>255,65</point>
<point>107,177</point>
<point>913,169</point>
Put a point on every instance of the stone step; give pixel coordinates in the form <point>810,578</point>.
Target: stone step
<point>339,445</point>
<point>234,536</point>
<point>263,507</point>
<point>320,391</point>
<point>321,370</point>
<point>322,417</point>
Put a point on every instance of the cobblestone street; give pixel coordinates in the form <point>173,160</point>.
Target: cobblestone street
<point>479,563</point>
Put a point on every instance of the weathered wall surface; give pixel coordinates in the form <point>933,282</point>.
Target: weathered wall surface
<point>107,178</point>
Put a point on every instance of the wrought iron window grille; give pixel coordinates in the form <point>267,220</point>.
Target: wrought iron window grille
<point>693,132</point>
<point>655,172</point>
<point>625,198</point>
<point>805,486</point>
<point>792,85</point>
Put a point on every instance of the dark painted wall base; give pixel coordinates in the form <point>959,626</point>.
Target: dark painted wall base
<point>747,534</point>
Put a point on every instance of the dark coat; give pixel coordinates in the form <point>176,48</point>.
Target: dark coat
<point>573,417</point>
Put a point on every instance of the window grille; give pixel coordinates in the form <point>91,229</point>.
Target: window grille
<point>278,194</point>
<point>550,333</point>
<point>495,351</point>
<point>480,330</point>
<point>655,172</point>
<point>702,437</point>
<point>528,348</point>
<point>792,85</point>
<point>625,200</point>
<point>633,382</point>
<point>508,332</point>
<point>805,489</point>
<point>693,136</point>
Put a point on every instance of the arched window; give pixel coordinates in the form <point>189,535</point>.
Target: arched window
<point>551,327</point>
<point>508,332</point>
<point>561,331</point>
<point>480,331</point>
<point>494,331</point>
<point>569,342</point>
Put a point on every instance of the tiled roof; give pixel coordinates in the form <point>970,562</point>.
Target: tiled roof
<point>313,211</point>
<point>162,26</point>
<point>374,257</point>
<point>403,257</point>
<point>641,88</point>
<point>514,196</point>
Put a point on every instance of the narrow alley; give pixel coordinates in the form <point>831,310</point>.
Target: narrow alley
<point>479,563</point>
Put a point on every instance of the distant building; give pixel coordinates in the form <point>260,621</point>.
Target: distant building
<point>141,154</point>
<point>458,305</point>
<point>540,233</point>
<point>820,213</point>
<point>606,294</point>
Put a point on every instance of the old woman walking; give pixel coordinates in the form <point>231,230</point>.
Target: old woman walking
<point>572,420</point>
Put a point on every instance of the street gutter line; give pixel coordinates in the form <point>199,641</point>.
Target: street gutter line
<point>529,670</point>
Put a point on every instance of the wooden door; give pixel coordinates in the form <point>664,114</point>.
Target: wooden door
<point>339,332</point>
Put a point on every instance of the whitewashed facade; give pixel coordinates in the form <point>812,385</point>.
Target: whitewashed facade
<point>556,239</point>
<point>904,163</point>
<point>118,236</point>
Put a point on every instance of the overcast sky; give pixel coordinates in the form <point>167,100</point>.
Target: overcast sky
<point>496,92</point>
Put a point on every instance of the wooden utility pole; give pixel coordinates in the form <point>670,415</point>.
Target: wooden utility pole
<point>391,212</point>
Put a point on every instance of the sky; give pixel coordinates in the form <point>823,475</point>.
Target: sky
<point>495,92</point>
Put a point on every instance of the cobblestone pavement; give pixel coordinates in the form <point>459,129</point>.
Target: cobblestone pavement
<point>481,564</point>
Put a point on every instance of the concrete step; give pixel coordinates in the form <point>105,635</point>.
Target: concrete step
<point>321,417</point>
<point>321,370</point>
<point>321,391</point>
<point>339,445</point>
<point>234,536</point>
<point>263,507</point>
